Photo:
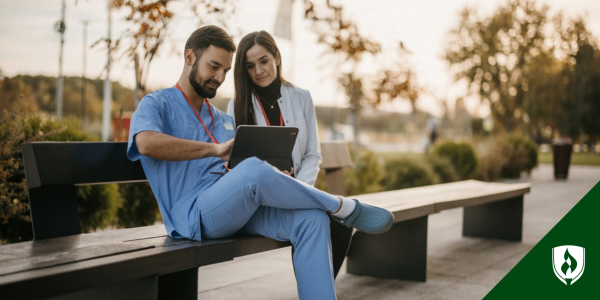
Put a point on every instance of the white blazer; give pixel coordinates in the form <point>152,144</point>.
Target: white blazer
<point>298,110</point>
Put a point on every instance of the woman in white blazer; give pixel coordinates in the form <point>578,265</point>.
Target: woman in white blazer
<point>271,95</point>
<point>263,97</point>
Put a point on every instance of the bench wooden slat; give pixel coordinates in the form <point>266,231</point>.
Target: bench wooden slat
<point>445,196</point>
<point>44,247</point>
<point>129,266</point>
<point>481,193</point>
<point>402,208</point>
<point>67,257</point>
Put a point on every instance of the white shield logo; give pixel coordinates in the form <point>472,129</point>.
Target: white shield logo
<point>568,263</point>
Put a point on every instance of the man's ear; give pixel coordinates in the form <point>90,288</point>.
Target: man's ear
<point>189,57</point>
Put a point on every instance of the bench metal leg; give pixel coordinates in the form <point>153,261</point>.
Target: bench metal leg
<point>179,285</point>
<point>54,211</point>
<point>496,220</point>
<point>400,253</point>
<point>341,237</point>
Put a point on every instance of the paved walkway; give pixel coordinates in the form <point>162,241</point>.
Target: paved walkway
<point>457,267</point>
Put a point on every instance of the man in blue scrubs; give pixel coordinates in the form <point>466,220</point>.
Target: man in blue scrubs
<point>182,141</point>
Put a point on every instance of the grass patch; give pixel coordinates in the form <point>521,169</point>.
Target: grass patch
<point>543,158</point>
<point>576,159</point>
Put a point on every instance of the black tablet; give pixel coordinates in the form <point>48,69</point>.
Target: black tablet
<point>273,144</point>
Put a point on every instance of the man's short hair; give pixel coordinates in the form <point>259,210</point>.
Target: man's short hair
<point>208,35</point>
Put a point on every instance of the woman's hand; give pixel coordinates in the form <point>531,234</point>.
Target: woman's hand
<point>288,173</point>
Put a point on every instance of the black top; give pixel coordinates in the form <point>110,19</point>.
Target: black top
<point>268,97</point>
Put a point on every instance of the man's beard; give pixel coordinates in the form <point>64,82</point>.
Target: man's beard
<point>202,90</point>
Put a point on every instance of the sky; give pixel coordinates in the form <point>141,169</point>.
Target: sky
<point>29,44</point>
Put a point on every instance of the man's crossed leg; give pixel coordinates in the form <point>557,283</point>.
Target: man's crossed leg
<point>258,199</point>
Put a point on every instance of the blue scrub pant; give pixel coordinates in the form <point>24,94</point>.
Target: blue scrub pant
<point>258,199</point>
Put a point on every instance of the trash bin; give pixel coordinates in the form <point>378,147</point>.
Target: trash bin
<point>561,154</point>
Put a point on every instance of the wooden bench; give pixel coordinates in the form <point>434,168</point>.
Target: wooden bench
<point>145,263</point>
<point>491,210</point>
<point>136,263</point>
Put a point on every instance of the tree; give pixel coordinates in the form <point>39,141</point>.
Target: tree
<point>577,112</point>
<point>517,60</point>
<point>566,97</point>
<point>496,55</point>
<point>583,97</point>
<point>150,24</point>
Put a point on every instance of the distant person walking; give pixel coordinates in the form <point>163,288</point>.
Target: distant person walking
<point>432,129</point>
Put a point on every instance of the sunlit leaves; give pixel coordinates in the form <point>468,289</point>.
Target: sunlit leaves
<point>343,40</point>
<point>340,35</point>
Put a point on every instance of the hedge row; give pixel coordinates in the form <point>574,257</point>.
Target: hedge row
<point>501,157</point>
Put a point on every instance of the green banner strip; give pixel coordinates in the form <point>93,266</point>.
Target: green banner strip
<point>536,276</point>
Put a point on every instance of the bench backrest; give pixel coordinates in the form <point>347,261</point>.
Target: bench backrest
<point>335,157</point>
<point>54,169</point>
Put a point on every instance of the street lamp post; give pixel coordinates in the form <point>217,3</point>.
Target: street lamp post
<point>60,27</point>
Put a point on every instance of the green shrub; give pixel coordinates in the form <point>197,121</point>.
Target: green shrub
<point>97,204</point>
<point>366,175</point>
<point>404,172</point>
<point>530,148</point>
<point>139,205</point>
<point>506,157</point>
<point>521,158</point>
<point>443,168</point>
<point>492,159</point>
<point>461,155</point>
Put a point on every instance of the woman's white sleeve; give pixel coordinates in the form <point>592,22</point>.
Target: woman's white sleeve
<point>231,111</point>
<point>311,158</point>
<point>230,108</point>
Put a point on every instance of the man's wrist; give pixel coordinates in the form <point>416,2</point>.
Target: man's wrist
<point>214,150</point>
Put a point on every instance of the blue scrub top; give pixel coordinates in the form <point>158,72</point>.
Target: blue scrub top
<point>176,184</point>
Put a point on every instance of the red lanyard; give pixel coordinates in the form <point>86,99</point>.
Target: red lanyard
<point>265,114</point>
<point>209,110</point>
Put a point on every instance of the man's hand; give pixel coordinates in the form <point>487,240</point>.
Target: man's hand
<point>165,147</point>
<point>223,150</point>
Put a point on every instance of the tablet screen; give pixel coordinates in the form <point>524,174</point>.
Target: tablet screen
<point>273,144</point>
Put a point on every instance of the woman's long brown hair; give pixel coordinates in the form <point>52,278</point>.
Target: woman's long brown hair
<point>244,113</point>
